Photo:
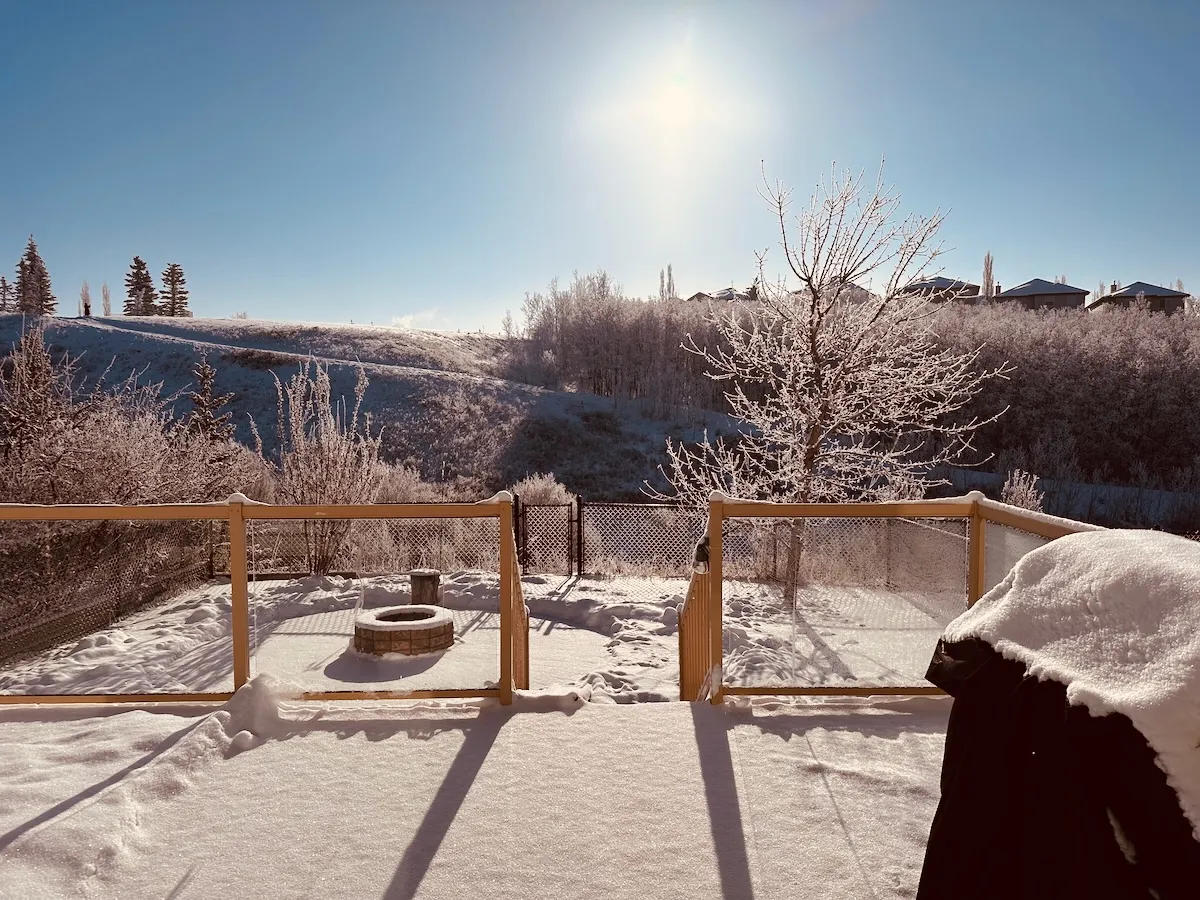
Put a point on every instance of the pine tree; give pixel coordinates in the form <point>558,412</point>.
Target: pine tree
<point>206,419</point>
<point>8,296</point>
<point>140,296</point>
<point>174,293</point>
<point>34,297</point>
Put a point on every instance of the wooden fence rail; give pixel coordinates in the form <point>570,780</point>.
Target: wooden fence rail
<point>700,621</point>
<point>236,512</point>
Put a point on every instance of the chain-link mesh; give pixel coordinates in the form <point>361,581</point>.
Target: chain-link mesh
<point>546,538</point>
<point>313,580</point>
<point>81,603</point>
<point>855,601</point>
<point>1003,548</point>
<point>640,539</point>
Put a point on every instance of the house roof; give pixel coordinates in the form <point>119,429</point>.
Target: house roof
<point>1141,287</point>
<point>941,284</point>
<point>1040,286</point>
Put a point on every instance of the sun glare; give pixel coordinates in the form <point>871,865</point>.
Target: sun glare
<point>663,125</point>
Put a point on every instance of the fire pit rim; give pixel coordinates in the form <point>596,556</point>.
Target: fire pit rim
<point>369,618</point>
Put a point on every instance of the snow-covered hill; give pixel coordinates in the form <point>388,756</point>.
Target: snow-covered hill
<point>442,398</point>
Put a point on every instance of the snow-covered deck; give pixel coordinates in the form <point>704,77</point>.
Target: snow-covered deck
<point>551,797</point>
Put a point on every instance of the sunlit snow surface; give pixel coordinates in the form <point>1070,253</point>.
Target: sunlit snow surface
<point>616,636</point>
<point>553,797</point>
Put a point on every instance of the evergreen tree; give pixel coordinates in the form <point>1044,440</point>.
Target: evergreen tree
<point>206,419</point>
<point>34,297</point>
<point>174,293</point>
<point>140,296</point>
<point>8,296</point>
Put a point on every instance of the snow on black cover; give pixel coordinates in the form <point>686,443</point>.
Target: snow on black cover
<point>1115,616</point>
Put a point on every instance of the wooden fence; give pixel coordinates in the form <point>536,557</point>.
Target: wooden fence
<point>700,622</point>
<point>237,512</point>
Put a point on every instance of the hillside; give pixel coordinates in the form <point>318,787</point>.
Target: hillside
<point>440,398</point>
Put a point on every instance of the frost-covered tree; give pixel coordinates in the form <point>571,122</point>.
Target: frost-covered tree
<point>85,300</point>
<point>106,299</point>
<point>841,394</point>
<point>1020,489</point>
<point>207,418</point>
<point>840,400</point>
<point>34,296</point>
<point>662,285</point>
<point>326,453</point>
<point>989,280</point>
<point>140,297</point>
<point>670,283</point>
<point>174,294</point>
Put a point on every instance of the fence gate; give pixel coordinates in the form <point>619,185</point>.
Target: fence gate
<point>547,538</point>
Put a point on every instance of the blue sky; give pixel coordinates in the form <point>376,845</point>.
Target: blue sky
<point>429,163</point>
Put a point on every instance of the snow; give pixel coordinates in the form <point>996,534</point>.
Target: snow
<point>1114,615</point>
<point>551,797</point>
<point>433,615</point>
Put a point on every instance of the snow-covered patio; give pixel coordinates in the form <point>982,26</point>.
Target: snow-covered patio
<point>550,797</point>
<point>617,637</point>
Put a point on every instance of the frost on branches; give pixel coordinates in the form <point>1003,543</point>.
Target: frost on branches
<point>326,455</point>
<point>841,392</point>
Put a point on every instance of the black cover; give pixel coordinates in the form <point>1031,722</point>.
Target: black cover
<point>1028,785</point>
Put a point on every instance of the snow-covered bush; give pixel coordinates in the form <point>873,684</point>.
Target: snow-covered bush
<point>542,490</point>
<point>326,454</point>
<point>1020,489</point>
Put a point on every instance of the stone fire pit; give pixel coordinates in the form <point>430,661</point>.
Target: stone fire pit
<point>412,630</point>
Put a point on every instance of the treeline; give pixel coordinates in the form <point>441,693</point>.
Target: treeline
<point>1109,396</point>
<point>30,293</point>
<point>590,337</point>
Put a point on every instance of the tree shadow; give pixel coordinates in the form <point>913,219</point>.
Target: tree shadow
<point>711,727</point>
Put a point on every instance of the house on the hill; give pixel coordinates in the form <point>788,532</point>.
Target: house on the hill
<point>940,289</point>
<point>699,297</point>
<point>1042,294</point>
<point>1159,299</point>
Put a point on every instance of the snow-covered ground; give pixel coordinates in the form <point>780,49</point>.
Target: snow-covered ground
<point>552,797</point>
<point>617,637</point>
<point>429,391</point>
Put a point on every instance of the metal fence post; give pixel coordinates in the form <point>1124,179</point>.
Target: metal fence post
<point>579,535</point>
<point>239,594</point>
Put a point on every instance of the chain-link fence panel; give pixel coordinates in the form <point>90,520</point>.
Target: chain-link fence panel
<point>114,607</point>
<point>640,539</point>
<point>1003,547</point>
<point>546,538</point>
<point>838,601</point>
<point>329,602</point>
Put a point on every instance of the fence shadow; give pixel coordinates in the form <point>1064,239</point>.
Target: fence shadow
<point>711,727</point>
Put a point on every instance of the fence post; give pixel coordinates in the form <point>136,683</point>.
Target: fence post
<point>579,535</point>
<point>976,549</point>
<point>239,594</point>
<point>507,574</point>
<point>715,579</point>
